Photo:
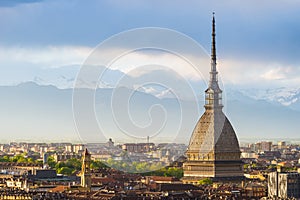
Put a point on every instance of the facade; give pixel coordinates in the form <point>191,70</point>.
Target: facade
<point>262,146</point>
<point>86,180</point>
<point>255,191</point>
<point>16,183</point>
<point>138,147</point>
<point>281,145</point>
<point>284,184</point>
<point>18,168</point>
<point>58,157</point>
<point>213,150</point>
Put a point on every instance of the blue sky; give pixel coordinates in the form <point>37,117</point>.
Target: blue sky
<point>256,40</point>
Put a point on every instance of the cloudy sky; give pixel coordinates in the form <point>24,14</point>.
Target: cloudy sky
<point>257,41</point>
<point>258,44</point>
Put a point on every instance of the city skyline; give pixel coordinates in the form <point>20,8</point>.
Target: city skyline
<point>140,99</point>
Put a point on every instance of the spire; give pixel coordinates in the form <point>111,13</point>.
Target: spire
<point>86,152</point>
<point>213,77</point>
<point>213,93</point>
<point>213,46</point>
<point>85,170</point>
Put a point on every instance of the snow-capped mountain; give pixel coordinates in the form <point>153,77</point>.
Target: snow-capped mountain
<point>289,97</point>
<point>48,110</point>
<point>165,85</point>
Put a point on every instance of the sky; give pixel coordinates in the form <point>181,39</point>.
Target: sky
<point>257,41</point>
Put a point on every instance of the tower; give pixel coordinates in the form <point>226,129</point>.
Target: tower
<point>86,171</point>
<point>213,150</point>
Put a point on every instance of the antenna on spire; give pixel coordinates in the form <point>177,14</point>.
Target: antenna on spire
<point>213,45</point>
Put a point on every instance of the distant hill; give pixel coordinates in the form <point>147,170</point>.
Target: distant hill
<point>44,113</point>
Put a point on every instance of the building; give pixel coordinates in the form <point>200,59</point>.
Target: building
<point>283,184</point>
<point>74,148</point>
<point>18,168</point>
<point>213,150</point>
<point>17,183</point>
<point>43,174</point>
<point>138,147</point>
<point>254,190</point>
<point>58,157</point>
<point>262,146</point>
<point>281,144</point>
<point>86,181</point>
<point>110,143</point>
<point>269,155</point>
<point>266,146</point>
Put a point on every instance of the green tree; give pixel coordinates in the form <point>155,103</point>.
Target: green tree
<point>65,170</point>
<point>51,162</point>
<point>253,165</point>
<point>246,166</point>
<point>206,181</point>
<point>30,160</point>
<point>21,159</point>
<point>175,172</point>
<point>4,159</point>
<point>96,164</point>
<point>73,163</point>
<point>140,167</point>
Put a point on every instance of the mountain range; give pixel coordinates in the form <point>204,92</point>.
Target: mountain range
<point>130,110</point>
<point>34,112</point>
<point>64,77</point>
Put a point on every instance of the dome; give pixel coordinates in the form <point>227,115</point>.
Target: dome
<point>213,133</point>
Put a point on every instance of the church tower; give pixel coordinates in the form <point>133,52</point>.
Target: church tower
<point>213,150</point>
<point>86,171</point>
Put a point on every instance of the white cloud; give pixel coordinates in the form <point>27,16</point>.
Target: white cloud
<point>130,64</point>
<point>232,71</point>
<point>258,73</point>
<point>277,73</point>
<point>50,56</point>
<point>21,64</point>
<point>273,74</point>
